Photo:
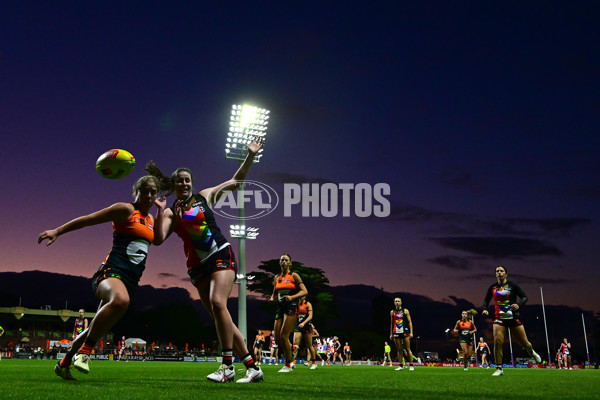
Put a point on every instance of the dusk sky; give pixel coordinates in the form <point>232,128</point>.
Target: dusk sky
<point>482,117</point>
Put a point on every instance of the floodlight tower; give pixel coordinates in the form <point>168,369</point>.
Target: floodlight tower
<point>247,123</point>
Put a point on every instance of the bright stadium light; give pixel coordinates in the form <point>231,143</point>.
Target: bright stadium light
<point>243,232</point>
<point>247,123</point>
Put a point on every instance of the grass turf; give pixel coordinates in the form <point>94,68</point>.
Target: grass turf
<point>35,379</point>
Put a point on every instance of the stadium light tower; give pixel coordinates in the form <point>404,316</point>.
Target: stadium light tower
<point>247,123</point>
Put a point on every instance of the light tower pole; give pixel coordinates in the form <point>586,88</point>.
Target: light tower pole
<point>247,123</point>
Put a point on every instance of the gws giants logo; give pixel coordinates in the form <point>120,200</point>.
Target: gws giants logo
<point>256,199</point>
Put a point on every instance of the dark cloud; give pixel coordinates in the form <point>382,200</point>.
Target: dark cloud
<point>520,278</point>
<point>166,275</point>
<point>452,223</point>
<point>561,226</point>
<point>499,247</point>
<point>452,262</point>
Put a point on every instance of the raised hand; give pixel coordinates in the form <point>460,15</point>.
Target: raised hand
<point>256,145</point>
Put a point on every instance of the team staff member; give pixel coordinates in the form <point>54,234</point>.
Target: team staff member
<point>565,352</point>
<point>401,330</point>
<point>210,259</point>
<point>386,354</point>
<point>117,278</point>
<point>81,324</point>
<point>288,288</point>
<point>508,299</point>
<point>484,350</point>
<point>304,332</point>
<point>465,328</point>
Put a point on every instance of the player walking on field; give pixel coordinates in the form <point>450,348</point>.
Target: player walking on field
<point>288,289</point>
<point>401,330</point>
<point>507,316</point>
<point>465,328</point>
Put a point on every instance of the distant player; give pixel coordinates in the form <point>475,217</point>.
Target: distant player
<point>465,328</point>
<point>274,350</point>
<point>565,352</point>
<point>483,350</point>
<point>259,342</point>
<point>287,290</point>
<point>347,353</point>
<point>81,324</point>
<point>304,332</point>
<point>122,349</point>
<point>401,330</point>
<point>1,333</point>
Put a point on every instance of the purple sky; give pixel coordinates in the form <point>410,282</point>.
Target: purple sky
<point>482,118</point>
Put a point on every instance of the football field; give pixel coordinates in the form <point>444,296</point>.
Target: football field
<point>35,379</point>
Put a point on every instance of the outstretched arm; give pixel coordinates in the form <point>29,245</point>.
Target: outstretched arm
<point>118,212</point>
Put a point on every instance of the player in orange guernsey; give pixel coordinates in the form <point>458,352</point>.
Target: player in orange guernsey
<point>117,278</point>
<point>304,331</point>
<point>483,350</point>
<point>288,288</point>
<point>465,328</point>
<point>259,342</point>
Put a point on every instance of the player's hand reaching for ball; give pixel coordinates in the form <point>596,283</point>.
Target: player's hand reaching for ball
<point>51,235</point>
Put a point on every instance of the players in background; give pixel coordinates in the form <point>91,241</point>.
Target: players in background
<point>211,262</point>
<point>337,351</point>
<point>508,299</point>
<point>559,359</point>
<point>386,354</point>
<point>347,353</point>
<point>401,331</point>
<point>117,277</point>
<point>322,350</point>
<point>1,333</point>
<point>287,290</point>
<point>81,324</point>
<point>122,348</point>
<point>274,351</point>
<point>465,328</point>
<point>565,351</point>
<point>259,342</point>
<point>483,350</point>
<point>304,332</point>
<point>316,344</point>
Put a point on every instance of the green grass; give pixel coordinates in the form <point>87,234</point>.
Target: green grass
<point>35,379</point>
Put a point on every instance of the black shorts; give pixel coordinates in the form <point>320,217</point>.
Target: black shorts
<point>304,330</point>
<point>286,308</point>
<point>400,335</point>
<point>222,260</point>
<point>468,339</point>
<point>129,279</point>
<point>509,323</point>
